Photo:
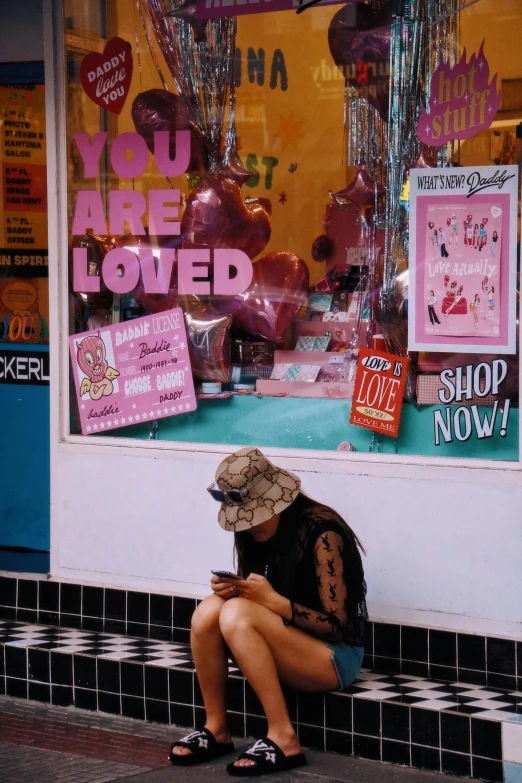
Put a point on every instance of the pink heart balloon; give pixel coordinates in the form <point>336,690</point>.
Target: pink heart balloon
<point>277,293</point>
<point>217,216</point>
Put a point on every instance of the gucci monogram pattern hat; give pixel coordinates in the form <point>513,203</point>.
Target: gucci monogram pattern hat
<point>265,489</point>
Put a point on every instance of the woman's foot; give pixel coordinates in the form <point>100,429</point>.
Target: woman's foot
<point>287,741</point>
<point>221,735</point>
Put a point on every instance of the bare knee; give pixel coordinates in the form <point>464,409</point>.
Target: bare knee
<point>235,615</point>
<point>206,616</point>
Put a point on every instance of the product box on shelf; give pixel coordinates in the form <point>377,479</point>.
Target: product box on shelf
<point>328,374</point>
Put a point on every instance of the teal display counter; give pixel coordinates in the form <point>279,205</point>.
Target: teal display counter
<point>322,424</point>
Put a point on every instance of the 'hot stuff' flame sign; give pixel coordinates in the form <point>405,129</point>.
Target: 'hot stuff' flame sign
<point>462,101</point>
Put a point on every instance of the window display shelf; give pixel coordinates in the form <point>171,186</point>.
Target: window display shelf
<point>321,424</point>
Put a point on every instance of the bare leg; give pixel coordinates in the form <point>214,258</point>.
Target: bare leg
<point>266,650</point>
<point>210,657</point>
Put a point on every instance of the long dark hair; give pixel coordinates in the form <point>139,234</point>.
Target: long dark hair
<point>288,539</point>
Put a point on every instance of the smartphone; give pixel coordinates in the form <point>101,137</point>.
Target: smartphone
<point>225,575</point>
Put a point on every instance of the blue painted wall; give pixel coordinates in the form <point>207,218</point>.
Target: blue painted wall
<point>24,410</point>
<point>24,464</point>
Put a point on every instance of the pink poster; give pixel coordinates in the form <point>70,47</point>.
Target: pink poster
<point>462,286</point>
<point>132,372</point>
<point>462,254</point>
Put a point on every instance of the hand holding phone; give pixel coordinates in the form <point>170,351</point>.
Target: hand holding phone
<point>226,575</point>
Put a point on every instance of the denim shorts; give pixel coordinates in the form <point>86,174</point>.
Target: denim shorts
<point>347,661</point>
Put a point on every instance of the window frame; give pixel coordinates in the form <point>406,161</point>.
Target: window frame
<point>386,465</point>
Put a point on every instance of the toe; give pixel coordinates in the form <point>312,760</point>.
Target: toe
<point>179,750</point>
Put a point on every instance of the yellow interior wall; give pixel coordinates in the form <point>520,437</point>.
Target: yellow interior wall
<point>302,125</point>
<point>500,25</point>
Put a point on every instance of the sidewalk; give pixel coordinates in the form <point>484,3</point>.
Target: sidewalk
<point>48,744</point>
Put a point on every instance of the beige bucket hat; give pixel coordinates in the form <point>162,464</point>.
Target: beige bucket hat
<point>251,490</point>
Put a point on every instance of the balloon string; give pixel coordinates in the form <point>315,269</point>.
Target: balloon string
<point>138,53</point>
<point>151,48</point>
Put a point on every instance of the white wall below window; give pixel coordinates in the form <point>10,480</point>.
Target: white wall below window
<point>444,552</point>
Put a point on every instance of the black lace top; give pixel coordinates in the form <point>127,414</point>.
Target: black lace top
<point>314,561</point>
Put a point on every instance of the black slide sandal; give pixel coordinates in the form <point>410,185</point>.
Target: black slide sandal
<point>268,758</point>
<point>203,747</point>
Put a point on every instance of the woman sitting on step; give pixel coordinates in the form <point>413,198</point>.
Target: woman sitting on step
<point>295,615</point>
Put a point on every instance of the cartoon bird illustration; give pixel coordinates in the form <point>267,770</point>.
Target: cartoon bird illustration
<point>92,361</point>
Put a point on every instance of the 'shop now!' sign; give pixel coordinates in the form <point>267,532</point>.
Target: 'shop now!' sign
<point>378,392</point>
<point>462,102</point>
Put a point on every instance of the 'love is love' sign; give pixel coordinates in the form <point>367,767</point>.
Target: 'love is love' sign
<point>106,77</point>
<point>378,392</point>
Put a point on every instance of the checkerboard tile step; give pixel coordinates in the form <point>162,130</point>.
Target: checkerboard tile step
<point>445,726</point>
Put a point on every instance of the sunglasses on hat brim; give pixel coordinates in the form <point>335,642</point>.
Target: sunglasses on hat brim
<point>236,496</point>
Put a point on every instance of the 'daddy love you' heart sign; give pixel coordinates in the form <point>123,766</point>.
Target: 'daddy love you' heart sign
<point>106,77</point>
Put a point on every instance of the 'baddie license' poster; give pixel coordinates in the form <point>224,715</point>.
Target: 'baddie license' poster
<point>462,259</point>
<point>132,372</point>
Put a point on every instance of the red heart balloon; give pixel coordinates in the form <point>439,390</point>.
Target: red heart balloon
<point>106,77</point>
<point>359,41</point>
<point>277,293</point>
<point>217,216</point>
<point>484,220</point>
<point>469,218</point>
<point>160,110</point>
<point>431,224</point>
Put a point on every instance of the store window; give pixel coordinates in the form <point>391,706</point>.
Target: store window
<point>295,229</point>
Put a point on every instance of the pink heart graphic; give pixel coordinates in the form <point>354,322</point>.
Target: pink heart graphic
<point>106,77</point>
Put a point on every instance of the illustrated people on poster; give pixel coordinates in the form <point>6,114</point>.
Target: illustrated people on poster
<point>474,308</point>
<point>432,301</point>
<point>454,230</point>
<point>456,300</point>
<point>434,240</point>
<point>493,245</point>
<point>92,361</point>
<point>458,282</point>
<point>491,302</point>
<point>482,236</point>
<point>442,242</point>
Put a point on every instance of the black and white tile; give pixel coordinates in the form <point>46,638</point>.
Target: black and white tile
<point>100,645</point>
<point>452,697</point>
<point>389,647</point>
<point>446,726</point>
